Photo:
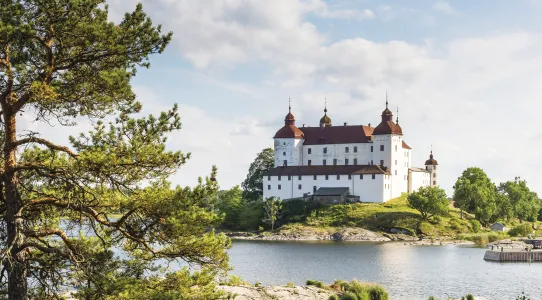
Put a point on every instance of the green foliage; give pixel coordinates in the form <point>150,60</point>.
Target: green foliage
<point>290,284</point>
<point>272,207</point>
<point>521,230</point>
<point>231,204</point>
<point>253,184</point>
<point>475,225</point>
<point>349,296</point>
<point>62,62</point>
<point>523,297</point>
<point>316,283</point>
<point>334,297</point>
<point>475,193</point>
<point>234,280</point>
<point>521,201</point>
<point>363,291</point>
<point>251,216</point>
<point>429,201</point>
<point>484,237</point>
<point>468,297</point>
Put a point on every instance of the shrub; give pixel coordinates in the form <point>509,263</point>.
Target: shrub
<point>349,296</point>
<point>251,215</point>
<point>475,225</point>
<point>290,284</point>
<point>468,297</point>
<point>432,298</point>
<point>334,297</point>
<point>316,283</point>
<point>521,230</point>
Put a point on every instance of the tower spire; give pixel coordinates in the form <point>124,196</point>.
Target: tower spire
<point>289,104</point>
<point>325,105</point>
<point>397,120</point>
<point>386,98</point>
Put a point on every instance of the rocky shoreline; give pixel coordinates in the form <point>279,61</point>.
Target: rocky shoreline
<point>343,235</point>
<point>276,292</point>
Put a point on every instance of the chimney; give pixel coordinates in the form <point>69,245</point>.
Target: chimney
<point>303,125</point>
<point>345,124</point>
<point>369,124</point>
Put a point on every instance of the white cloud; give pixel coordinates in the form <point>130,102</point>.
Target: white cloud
<point>445,7</point>
<point>475,99</point>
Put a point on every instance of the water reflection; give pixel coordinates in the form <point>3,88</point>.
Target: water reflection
<point>408,272</point>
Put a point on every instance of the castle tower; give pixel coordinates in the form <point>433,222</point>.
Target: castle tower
<point>388,152</point>
<point>431,166</point>
<point>288,143</point>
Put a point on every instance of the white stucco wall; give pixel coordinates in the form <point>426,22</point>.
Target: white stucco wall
<point>369,189</point>
<point>337,151</point>
<point>434,175</point>
<point>419,179</point>
<point>289,150</point>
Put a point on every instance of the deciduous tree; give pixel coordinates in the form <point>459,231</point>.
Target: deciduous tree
<point>524,203</point>
<point>272,207</point>
<point>253,184</point>
<point>62,61</point>
<point>429,201</point>
<point>475,193</point>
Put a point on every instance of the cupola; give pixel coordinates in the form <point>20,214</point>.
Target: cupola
<point>431,161</point>
<point>387,126</point>
<point>325,120</point>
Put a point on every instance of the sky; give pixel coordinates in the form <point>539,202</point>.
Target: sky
<point>466,76</point>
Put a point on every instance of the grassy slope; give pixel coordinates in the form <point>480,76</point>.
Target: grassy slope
<point>382,217</point>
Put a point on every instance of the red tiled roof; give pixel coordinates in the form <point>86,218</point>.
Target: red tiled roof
<point>388,127</point>
<point>405,146</point>
<point>337,134</point>
<point>326,170</point>
<point>289,132</point>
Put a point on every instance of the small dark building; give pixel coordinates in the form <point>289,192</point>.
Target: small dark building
<point>334,195</point>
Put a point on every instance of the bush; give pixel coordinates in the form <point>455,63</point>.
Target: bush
<point>475,225</point>
<point>334,297</point>
<point>521,230</point>
<point>349,296</point>
<point>251,215</point>
<point>468,297</point>
<point>290,284</point>
<point>316,283</point>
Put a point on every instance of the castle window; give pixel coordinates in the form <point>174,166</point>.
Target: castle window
<point>269,178</point>
<point>395,172</point>
<point>284,153</point>
<point>284,144</point>
<point>371,148</point>
<point>434,167</point>
<point>279,186</point>
<point>381,162</point>
<point>327,177</point>
<point>299,186</point>
<point>355,149</point>
<point>395,148</point>
<point>334,161</point>
<point>269,187</point>
<point>315,177</point>
<point>285,163</point>
<point>346,162</point>
<point>355,161</point>
<point>374,176</point>
<point>299,177</point>
<point>289,177</point>
<point>434,183</point>
<point>361,176</point>
<point>349,176</point>
<point>310,162</point>
<point>309,151</point>
<point>325,150</point>
<point>404,177</point>
<point>396,162</point>
<point>279,177</point>
<point>346,149</point>
<point>324,162</point>
<point>314,189</point>
<point>338,177</point>
<point>434,175</point>
<point>381,147</point>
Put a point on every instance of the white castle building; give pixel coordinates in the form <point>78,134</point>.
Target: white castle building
<point>374,163</point>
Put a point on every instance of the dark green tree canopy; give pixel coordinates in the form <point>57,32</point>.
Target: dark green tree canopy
<point>429,201</point>
<point>475,193</point>
<point>61,60</point>
<point>522,202</point>
<point>253,184</point>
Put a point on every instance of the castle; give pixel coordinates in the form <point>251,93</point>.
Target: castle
<point>373,163</point>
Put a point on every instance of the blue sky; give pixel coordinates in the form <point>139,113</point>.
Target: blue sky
<point>465,74</point>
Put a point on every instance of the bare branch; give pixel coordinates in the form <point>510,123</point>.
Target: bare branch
<point>46,143</point>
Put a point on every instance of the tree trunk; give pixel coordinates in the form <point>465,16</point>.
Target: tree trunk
<point>15,263</point>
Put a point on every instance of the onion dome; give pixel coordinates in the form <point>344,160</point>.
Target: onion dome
<point>387,126</point>
<point>289,130</point>
<point>325,120</point>
<point>431,161</point>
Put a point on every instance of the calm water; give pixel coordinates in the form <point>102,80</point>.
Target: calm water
<point>407,272</point>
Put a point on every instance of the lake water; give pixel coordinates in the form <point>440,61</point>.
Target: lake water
<point>407,272</point>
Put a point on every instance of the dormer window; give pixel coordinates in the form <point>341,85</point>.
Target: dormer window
<point>325,150</point>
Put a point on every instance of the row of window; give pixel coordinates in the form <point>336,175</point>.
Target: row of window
<point>346,149</point>
<point>315,177</point>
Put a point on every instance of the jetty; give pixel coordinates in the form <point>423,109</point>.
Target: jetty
<point>513,256</point>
